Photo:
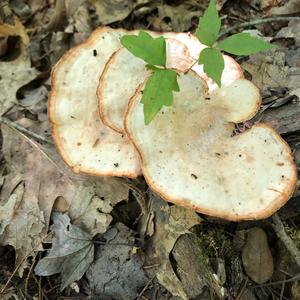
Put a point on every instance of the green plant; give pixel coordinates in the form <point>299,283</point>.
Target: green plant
<point>160,85</point>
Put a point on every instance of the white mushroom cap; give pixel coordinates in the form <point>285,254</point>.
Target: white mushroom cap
<point>189,156</point>
<point>124,72</point>
<point>232,70</point>
<point>85,143</point>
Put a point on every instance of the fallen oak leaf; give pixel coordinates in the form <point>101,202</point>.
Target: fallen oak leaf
<point>71,254</point>
<point>169,223</point>
<point>44,180</point>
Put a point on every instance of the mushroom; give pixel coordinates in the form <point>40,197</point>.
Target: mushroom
<point>190,157</point>
<point>124,72</point>
<point>85,143</point>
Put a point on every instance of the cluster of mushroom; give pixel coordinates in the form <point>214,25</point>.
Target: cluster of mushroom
<point>187,154</point>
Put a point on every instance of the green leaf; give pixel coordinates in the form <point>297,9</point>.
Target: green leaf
<point>209,25</point>
<point>213,63</point>
<point>151,50</point>
<point>244,44</point>
<point>158,92</point>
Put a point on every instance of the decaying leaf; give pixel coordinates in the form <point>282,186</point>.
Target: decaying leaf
<point>15,73</point>
<point>110,11</point>
<point>117,271</point>
<point>33,183</point>
<point>267,69</point>
<point>272,71</point>
<point>16,29</point>
<point>91,211</point>
<point>169,223</point>
<point>291,31</point>
<point>180,17</point>
<point>71,254</point>
<point>267,4</point>
<point>289,7</point>
<point>78,16</point>
<point>257,256</point>
<point>193,269</point>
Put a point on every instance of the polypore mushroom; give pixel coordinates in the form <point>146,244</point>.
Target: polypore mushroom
<point>85,143</point>
<point>190,157</point>
<point>124,72</point>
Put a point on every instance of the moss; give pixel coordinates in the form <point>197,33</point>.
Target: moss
<point>214,243</point>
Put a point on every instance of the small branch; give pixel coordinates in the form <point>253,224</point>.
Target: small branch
<point>22,129</point>
<point>256,22</point>
<point>145,288</point>
<point>285,238</point>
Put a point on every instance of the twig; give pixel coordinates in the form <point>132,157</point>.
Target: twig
<point>145,288</point>
<point>282,288</point>
<point>293,279</point>
<point>138,194</point>
<point>256,22</point>
<point>242,291</point>
<point>21,262</point>
<point>22,129</point>
<point>29,273</point>
<point>285,239</point>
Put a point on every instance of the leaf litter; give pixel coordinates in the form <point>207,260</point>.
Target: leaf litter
<point>34,182</point>
<point>117,270</point>
<point>169,223</point>
<point>71,254</point>
<point>27,199</point>
<point>16,73</point>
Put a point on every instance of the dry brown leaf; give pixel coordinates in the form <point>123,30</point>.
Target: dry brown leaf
<point>14,30</point>
<point>78,15</point>
<point>265,4</point>
<point>290,7</point>
<point>16,73</point>
<point>170,222</point>
<point>110,11</point>
<point>270,70</point>
<point>267,69</point>
<point>180,17</point>
<point>33,184</point>
<point>291,31</point>
<point>257,256</point>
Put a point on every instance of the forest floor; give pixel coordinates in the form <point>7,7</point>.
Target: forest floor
<point>119,250</point>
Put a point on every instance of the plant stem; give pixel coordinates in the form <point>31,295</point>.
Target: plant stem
<point>256,22</point>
